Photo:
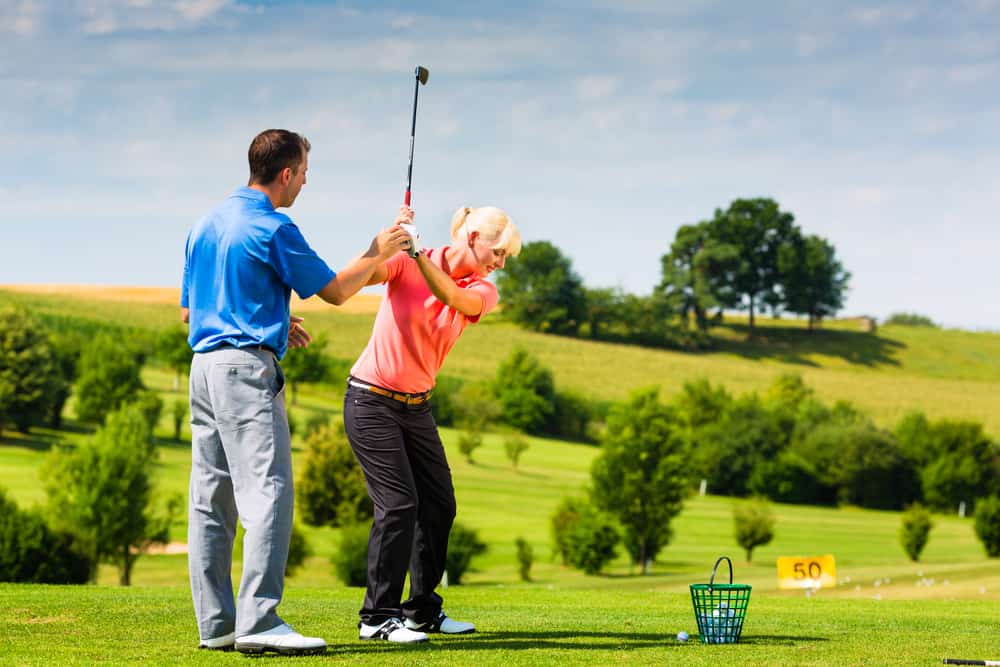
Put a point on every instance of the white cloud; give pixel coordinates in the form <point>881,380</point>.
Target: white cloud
<point>590,88</point>
<point>105,17</point>
<point>20,17</point>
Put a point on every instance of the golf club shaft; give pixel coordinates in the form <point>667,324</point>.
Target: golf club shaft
<point>413,132</point>
<point>959,661</point>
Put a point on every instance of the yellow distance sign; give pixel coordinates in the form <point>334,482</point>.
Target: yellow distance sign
<point>802,572</point>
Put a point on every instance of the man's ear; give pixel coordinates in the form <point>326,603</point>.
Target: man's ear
<point>285,176</point>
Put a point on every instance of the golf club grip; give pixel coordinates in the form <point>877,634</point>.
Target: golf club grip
<point>406,199</point>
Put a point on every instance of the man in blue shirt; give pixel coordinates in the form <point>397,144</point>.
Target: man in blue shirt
<point>241,262</point>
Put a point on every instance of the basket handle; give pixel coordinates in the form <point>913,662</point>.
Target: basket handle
<point>711,580</point>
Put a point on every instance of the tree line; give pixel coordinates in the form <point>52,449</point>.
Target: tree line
<point>750,256</point>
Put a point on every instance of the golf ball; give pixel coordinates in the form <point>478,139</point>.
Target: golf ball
<point>682,636</point>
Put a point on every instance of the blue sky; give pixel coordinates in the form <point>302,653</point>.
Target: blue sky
<point>601,126</point>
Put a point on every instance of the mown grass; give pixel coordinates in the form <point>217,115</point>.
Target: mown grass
<point>519,625</point>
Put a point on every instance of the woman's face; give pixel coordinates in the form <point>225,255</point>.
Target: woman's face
<point>488,260</point>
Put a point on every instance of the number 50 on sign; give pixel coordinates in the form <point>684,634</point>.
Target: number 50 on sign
<point>818,572</point>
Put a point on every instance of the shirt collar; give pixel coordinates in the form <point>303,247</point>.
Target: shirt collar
<point>256,196</point>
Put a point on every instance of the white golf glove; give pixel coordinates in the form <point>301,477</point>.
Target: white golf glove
<point>415,246</point>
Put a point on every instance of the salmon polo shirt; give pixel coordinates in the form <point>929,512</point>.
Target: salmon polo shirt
<point>413,330</point>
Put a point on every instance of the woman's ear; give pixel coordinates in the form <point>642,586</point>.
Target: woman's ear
<point>473,236</point>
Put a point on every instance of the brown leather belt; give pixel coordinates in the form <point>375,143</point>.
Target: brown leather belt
<point>409,399</point>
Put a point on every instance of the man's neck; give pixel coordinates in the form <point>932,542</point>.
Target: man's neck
<point>269,191</point>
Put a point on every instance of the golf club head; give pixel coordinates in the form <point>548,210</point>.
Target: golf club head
<point>422,75</point>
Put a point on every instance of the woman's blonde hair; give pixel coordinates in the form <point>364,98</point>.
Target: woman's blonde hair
<point>492,224</point>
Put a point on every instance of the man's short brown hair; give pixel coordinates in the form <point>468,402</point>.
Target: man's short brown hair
<point>273,150</point>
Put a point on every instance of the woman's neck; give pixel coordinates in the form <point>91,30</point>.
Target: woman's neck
<point>458,262</point>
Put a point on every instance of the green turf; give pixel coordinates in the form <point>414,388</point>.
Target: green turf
<point>519,625</point>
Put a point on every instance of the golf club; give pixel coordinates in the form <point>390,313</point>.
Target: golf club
<point>421,75</point>
<point>959,661</point>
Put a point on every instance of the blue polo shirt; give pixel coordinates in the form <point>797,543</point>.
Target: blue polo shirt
<point>241,262</point>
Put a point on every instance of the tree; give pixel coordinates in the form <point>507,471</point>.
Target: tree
<point>29,371</point>
<point>641,474</point>
<point>987,524</point>
<point>813,280</point>
<point>591,540</point>
<point>109,377</point>
<point>463,545</point>
<point>914,530</point>
<point>754,526</point>
<point>306,364</point>
<point>101,492</point>
<point>525,556</point>
<point>30,551</point>
<point>66,348</point>
<point>526,391</point>
<point>693,274</point>
<point>963,464</point>
<point>754,229</point>
<point>331,490</point>
<point>173,349</point>
<point>178,413</point>
<point>514,447</point>
<point>541,291</point>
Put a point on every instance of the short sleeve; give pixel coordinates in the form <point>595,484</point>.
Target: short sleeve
<point>488,292</point>
<point>186,280</point>
<point>395,265</point>
<point>296,263</point>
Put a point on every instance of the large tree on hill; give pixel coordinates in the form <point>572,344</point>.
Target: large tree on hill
<point>755,229</point>
<point>694,274</point>
<point>109,377</point>
<point>813,280</point>
<point>540,290</point>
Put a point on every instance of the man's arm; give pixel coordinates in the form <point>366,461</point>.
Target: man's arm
<point>447,292</point>
<point>364,269</point>
<point>185,315</point>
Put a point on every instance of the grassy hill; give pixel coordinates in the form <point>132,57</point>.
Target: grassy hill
<point>945,373</point>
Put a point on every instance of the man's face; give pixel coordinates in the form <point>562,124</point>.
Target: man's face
<point>297,180</point>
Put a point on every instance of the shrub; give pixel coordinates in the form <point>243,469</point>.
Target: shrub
<point>298,550</point>
<point>315,422</point>
<point>565,515</point>
<point>911,320</point>
<point>350,560</point>
<point>469,442</point>
<point>525,556</point>
<point>463,545</point>
<point>32,552</point>
<point>178,414</point>
<point>571,417</point>
<point>988,525</point>
<point>592,540</point>
<point>526,392</point>
<point>151,406</point>
<point>914,530</point>
<point>331,490</point>
<point>474,407</point>
<point>791,478</point>
<point>109,377</point>
<point>443,400</point>
<point>754,525</point>
<point>514,447</point>
<point>29,370</point>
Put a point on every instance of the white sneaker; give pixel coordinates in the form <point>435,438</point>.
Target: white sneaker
<point>441,623</point>
<point>223,643</point>
<point>392,630</point>
<point>281,639</point>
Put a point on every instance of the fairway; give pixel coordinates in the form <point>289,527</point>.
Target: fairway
<point>519,625</point>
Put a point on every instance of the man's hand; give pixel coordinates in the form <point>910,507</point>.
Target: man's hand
<point>392,240</point>
<point>297,336</point>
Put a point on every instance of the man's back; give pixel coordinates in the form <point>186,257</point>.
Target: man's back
<point>242,260</point>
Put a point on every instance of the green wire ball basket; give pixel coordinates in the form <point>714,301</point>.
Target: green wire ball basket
<point>720,609</point>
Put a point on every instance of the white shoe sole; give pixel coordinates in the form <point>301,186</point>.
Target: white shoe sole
<point>254,648</point>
